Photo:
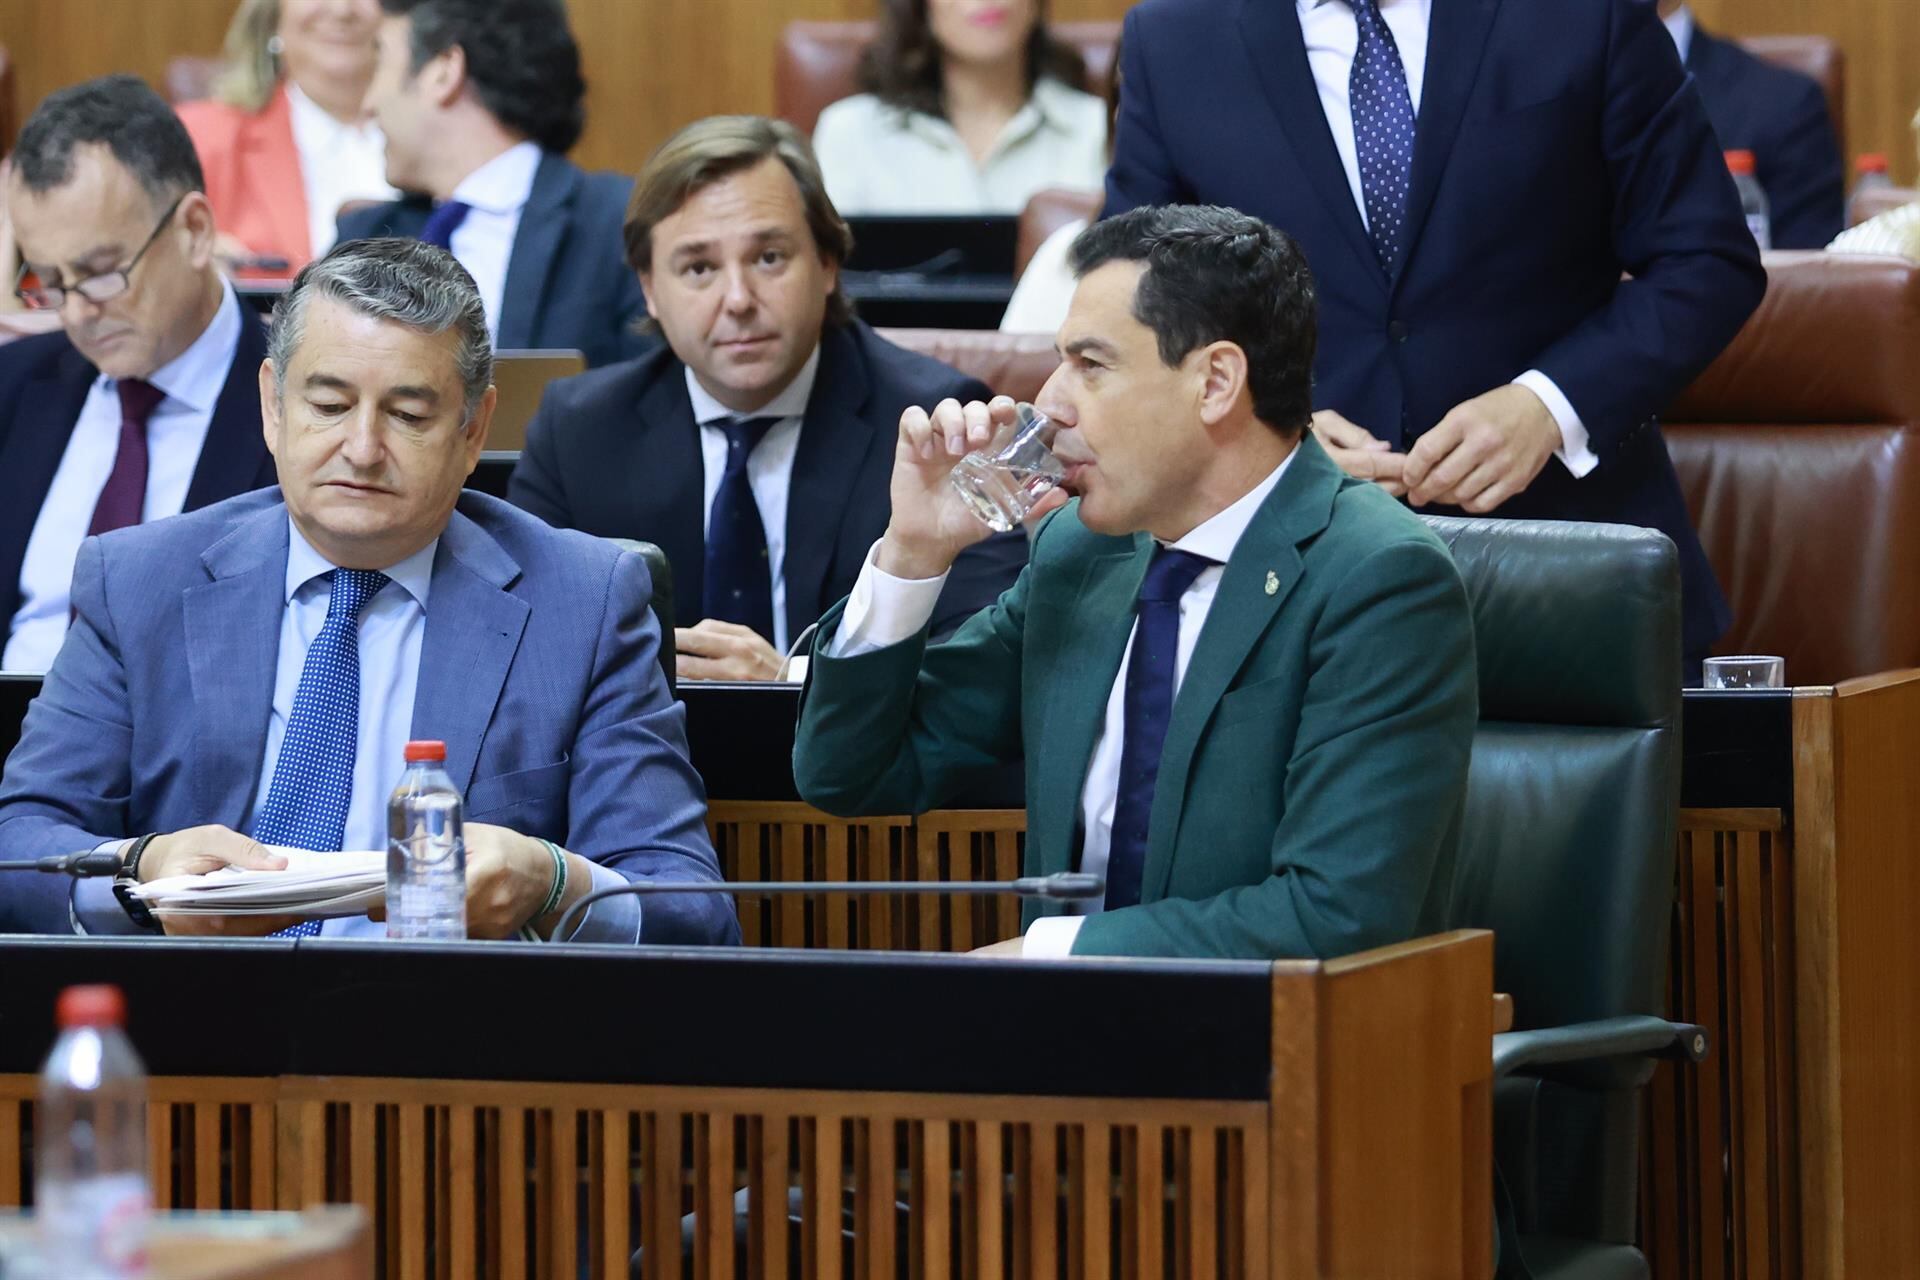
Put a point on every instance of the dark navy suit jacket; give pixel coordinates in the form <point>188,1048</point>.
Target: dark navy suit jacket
<point>43,383</point>
<point>1560,147</point>
<point>568,283</point>
<point>616,452</point>
<point>1781,116</point>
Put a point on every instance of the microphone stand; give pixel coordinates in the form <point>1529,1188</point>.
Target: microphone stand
<point>80,866</point>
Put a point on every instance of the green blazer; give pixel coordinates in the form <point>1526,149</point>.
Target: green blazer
<point>1309,797</point>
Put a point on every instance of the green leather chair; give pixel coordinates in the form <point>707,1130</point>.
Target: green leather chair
<point>1567,854</point>
<point>662,602</point>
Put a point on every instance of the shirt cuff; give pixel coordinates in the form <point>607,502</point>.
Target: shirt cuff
<point>883,610</point>
<point>614,919</point>
<point>1051,937</point>
<point>1573,452</point>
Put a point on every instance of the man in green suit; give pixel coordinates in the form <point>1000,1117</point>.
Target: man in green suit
<point>1242,682</point>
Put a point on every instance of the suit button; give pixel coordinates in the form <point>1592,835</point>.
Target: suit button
<point>1397,331</point>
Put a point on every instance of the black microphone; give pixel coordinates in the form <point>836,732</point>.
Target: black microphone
<point>78,865</point>
<point>1061,885</point>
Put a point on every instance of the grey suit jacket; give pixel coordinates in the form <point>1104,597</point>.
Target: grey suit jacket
<point>538,669</point>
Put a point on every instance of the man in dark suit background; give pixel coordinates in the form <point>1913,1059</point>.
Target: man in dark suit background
<point>146,403</point>
<point>1470,182</point>
<point>480,101</point>
<point>1778,114</point>
<point>754,446</point>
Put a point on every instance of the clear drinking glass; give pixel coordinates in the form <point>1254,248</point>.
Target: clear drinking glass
<point>1746,671</point>
<point>1001,483</point>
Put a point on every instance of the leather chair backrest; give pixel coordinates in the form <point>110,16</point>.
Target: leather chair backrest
<point>1816,56</point>
<point>1873,202</point>
<point>1011,364</point>
<point>191,79</point>
<point>1799,454</point>
<point>661,604</point>
<point>522,378</point>
<point>818,63</point>
<point>1046,212</point>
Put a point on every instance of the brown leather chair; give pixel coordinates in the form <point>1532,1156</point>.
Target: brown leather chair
<point>1011,364</point>
<point>1799,453</point>
<point>9,121</point>
<point>191,79</point>
<point>1872,203</point>
<point>1815,56</point>
<point>1046,212</point>
<point>818,63</point>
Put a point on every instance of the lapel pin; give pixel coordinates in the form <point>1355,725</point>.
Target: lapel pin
<point>1273,583</point>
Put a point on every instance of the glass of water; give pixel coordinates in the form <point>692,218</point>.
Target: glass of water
<point>1002,482</point>
<point>1746,671</point>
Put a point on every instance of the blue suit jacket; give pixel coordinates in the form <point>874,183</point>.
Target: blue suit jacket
<point>1559,146</point>
<point>539,669</point>
<point>615,452</point>
<point>1781,116</point>
<point>568,283</point>
<point>43,383</point>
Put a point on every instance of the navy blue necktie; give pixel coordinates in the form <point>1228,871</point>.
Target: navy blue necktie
<point>443,223</point>
<point>739,578</point>
<point>312,789</point>
<point>1149,705</point>
<point>1383,125</point>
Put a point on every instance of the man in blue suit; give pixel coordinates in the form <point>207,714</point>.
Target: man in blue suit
<point>248,675</point>
<point>480,101</point>
<point>146,403</point>
<point>1470,179</point>
<point>1781,116</point>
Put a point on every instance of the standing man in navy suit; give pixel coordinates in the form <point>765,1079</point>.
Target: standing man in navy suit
<point>1778,114</point>
<point>145,404</point>
<point>1470,179</point>
<point>480,101</point>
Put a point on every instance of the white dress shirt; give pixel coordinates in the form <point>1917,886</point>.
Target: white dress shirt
<point>1679,25</point>
<point>338,162</point>
<point>884,610</point>
<point>1331,34</point>
<point>1044,292</point>
<point>879,159</point>
<point>769,469</point>
<point>497,193</point>
<point>176,431</point>
<point>393,628</point>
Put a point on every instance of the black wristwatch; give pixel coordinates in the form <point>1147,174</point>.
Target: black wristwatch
<point>130,876</point>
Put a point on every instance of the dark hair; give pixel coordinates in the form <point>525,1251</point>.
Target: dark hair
<point>718,147</point>
<point>122,114</point>
<point>521,57</point>
<point>1218,275</point>
<point>902,65</point>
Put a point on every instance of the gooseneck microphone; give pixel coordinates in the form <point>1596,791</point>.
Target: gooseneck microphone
<point>1060,886</point>
<point>80,866</point>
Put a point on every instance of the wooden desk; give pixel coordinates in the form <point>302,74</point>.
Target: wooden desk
<point>329,1243</point>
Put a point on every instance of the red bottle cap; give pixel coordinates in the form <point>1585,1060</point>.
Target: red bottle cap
<point>1871,162</point>
<point>426,750</point>
<point>100,1006</point>
<point>1740,161</point>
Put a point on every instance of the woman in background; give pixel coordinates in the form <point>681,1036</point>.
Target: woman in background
<point>970,107</point>
<point>1895,232</point>
<point>284,140</point>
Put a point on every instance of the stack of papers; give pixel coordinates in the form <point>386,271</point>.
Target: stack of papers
<point>320,885</point>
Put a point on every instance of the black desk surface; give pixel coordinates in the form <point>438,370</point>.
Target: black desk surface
<point>718,1018</point>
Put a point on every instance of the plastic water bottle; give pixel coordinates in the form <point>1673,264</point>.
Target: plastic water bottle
<point>1753,199</point>
<point>92,1201</point>
<point>1871,175</point>
<point>426,850</point>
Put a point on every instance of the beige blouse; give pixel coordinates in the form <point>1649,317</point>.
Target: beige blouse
<point>1895,232</point>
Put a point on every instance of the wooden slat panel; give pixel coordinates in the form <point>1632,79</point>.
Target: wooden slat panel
<point>823,1202</point>
<point>1780,1052</point>
<point>563,1191</point>
<point>933,1200</point>
<point>1704,970</point>
<point>512,1129</point>
<point>613,1180</point>
<point>411,1176</point>
<point>12,1151</point>
<point>990,1189</point>
<point>792,908</point>
<point>160,1152</point>
<point>768,1167</point>
<point>714,1165</point>
<point>663,1190</point>
<point>877,1235</point>
<point>1202,1237</point>
<point>462,1186</point>
<point>1095,1180</point>
<point>206,1154</point>
<point>836,906</point>
<point>927,905</point>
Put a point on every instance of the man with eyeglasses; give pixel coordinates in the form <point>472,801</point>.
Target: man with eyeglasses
<point>147,402</point>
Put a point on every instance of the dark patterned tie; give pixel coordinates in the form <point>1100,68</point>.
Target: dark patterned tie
<point>739,577</point>
<point>443,222</point>
<point>312,789</point>
<point>125,494</point>
<point>1383,124</point>
<point>1149,705</point>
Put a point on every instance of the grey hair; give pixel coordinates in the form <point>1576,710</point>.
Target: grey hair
<point>413,284</point>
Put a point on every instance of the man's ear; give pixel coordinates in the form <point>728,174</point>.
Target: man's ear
<point>444,76</point>
<point>1223,379</point>
<point>474,440</point>
<point>646,292</point>
<point>270,408</point>
<point>196,222</point>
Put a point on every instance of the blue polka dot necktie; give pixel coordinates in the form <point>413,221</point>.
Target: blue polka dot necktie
<point>443,222</point>
<point>739,576</point>
<point>1148,708</point>
<point>312,787</point>
<point>1383,125</point>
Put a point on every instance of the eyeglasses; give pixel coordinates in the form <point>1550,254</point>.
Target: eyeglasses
<point>104,287</point>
